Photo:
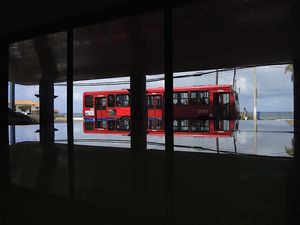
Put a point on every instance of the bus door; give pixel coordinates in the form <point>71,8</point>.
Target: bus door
<point>100,108</point>
<point>111,106</point>
<point>221,105</point>
<point>154,106</point>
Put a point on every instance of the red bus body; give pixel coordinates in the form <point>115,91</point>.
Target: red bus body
<point>182,127</point>
<point>207,101</point>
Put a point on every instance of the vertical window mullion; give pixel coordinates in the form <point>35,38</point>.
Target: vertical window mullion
<point>70,125</point>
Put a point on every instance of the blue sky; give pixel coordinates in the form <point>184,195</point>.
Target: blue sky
<point>275,89</point>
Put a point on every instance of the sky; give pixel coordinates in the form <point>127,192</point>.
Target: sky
<point>275,88</point>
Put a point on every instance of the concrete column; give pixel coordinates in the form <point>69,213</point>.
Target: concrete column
<point>70,125</point>
<point>138,107</point>
<point>138,104</point>
<point>169,134</point>
<point>46,93</point>
<point>169,137</point>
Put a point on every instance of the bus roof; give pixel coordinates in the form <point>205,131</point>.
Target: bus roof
<point>160,89</point>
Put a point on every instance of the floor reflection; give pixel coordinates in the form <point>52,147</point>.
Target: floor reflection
<point>273,137</point>
<point>182,127</point>
<point>116,179</point>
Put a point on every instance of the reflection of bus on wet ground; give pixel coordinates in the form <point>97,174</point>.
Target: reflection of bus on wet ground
<point>182,127</point>
<point>205,102</point>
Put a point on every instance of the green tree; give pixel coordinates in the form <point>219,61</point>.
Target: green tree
<point>290,69</point>
<point>25,108</point>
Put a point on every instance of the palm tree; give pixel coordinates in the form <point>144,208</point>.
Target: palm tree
<point>290,69</point>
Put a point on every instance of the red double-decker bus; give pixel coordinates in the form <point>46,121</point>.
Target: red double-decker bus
<point>207,101</point>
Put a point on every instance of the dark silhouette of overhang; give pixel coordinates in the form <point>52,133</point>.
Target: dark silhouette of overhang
<point>206,35</point>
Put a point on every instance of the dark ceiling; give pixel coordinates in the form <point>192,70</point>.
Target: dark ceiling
<point>206,34</point>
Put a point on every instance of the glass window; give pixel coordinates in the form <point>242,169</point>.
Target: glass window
<point>123,100</point>
<point>89,125</point>
<point>150,102</point>
<point>100,103</point>
<point>150,124</point>
<point>200,97</point>
<point>155,124</point>
<point>88,99</point>
<point>154,101</point>
<point>111,124</point>
<point>158,124</point>
<point>175,125</point>
<point>184,98</point>
<point>226,98</point>
<point>111,101</point>
<point>101,124</point>
<point>175,98</point>
<point>158,102</point>
<point>123,125</point>
<point>181,125</point>
<point>200,125</point>
<point>236,97</point>
<point>226,125</point>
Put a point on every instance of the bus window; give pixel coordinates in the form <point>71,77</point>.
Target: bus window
<point>111,101</point>
<point>158,102</point>
<point>183,98</point>
<point>175,98</point>
<point>101,124</point>
<point>154,101</point>
<point>150,102</point>
<point>181,125</point>
<point>226,98</point>
<point>111,124</point>
<point>175,125</point>
<point>150,125</point>
<point>155,124</point>
<point>222,125</point>
<point>200,125</point>
<point>236,97</point>
<point>88,99</point>
<point>200,97</point>
<point>122,100</point>
<point>89,125</point>
<point>100,103</point>
<point>123,125</point>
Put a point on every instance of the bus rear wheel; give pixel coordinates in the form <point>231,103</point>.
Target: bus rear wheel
<point>125,119</point>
